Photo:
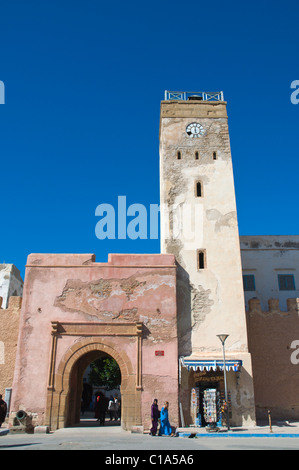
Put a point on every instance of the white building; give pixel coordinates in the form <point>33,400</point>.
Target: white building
<point>270,268</point>
<point>11,283</point>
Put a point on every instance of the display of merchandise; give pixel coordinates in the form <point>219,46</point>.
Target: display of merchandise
<point>223,408</point>
<point>195,405</point>
<point>210,405</point>
<point>222,400</point>
<point>219,409</point>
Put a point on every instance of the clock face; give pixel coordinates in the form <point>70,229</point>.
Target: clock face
<point>195,130</point>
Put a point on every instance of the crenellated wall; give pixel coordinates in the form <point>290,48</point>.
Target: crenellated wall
<point>271,338</point>
<point>9,330</point>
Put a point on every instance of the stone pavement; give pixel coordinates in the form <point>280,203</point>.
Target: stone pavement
<point>279,429</point>
<point>112,439</point>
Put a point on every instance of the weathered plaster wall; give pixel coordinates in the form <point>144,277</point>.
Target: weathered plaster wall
<point>212,302</point>
<point>73,288</point>
<point>276,377</point>
<point>266,257</point>
<point>9,319</point>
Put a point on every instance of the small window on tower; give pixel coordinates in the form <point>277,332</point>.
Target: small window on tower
<point>198,189</point>
<point>214,155</point>
<point>201,259</point>
<point>179,155</point>
<point>196,155</point>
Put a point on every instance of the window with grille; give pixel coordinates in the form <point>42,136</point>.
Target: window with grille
<point>286,282</point>
<point>248,282</point>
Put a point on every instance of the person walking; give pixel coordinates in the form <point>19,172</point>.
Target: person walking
<point>3,410</point>
<point>97,408</point>
<point>165,428</point>
<point>115,408</point>
<point>103,405</point>
<point>101,408</point>
<point>155,415</point>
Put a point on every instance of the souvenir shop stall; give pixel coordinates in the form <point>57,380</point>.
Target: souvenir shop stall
<point>208,407</point>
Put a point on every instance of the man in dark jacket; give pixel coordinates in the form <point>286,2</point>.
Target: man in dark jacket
<point>101,409</point>
<point>155,415</point>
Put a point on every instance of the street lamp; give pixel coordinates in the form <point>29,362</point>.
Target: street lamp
<point>223,338</point>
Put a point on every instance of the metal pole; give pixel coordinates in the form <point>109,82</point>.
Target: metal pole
<point>270,421</point>
<point>225,388</point>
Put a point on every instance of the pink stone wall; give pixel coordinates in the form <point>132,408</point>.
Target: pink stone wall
<point>276,376</point>
<point>74,288</point>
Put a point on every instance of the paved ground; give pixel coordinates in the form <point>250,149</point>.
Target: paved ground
<point>111,439</point>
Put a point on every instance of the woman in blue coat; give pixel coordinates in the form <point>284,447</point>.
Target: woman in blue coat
<point>165,428</point>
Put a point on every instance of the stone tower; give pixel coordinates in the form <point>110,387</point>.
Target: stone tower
<point>199,226</point>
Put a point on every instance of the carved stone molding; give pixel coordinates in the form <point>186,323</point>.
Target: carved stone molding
<point>94,336</point>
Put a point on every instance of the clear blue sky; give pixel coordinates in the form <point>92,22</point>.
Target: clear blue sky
<point>84,81</point>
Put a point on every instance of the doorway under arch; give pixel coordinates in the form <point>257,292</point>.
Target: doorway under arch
<point>64,400</point>
<point>76,404</point>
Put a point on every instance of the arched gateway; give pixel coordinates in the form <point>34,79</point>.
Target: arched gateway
<point>74,310</point>
<point>64,399</point>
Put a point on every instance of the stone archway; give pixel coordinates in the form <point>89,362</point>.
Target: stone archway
<point>59,394</point>
<point>73,404</point>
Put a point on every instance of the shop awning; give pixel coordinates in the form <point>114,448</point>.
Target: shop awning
<point>213,364</point>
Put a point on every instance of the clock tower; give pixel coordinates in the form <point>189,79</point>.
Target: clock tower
<point>199,226</point>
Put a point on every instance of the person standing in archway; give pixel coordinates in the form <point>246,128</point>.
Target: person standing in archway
<point>110,407</point>
<point>115,408</point>
<point>101,409</point>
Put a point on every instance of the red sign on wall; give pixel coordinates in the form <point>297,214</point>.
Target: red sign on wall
<point>159,353</point>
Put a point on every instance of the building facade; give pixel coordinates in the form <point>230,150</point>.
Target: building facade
<point>199,226</point>
<point>270,268</point>
<point>74,311</point>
